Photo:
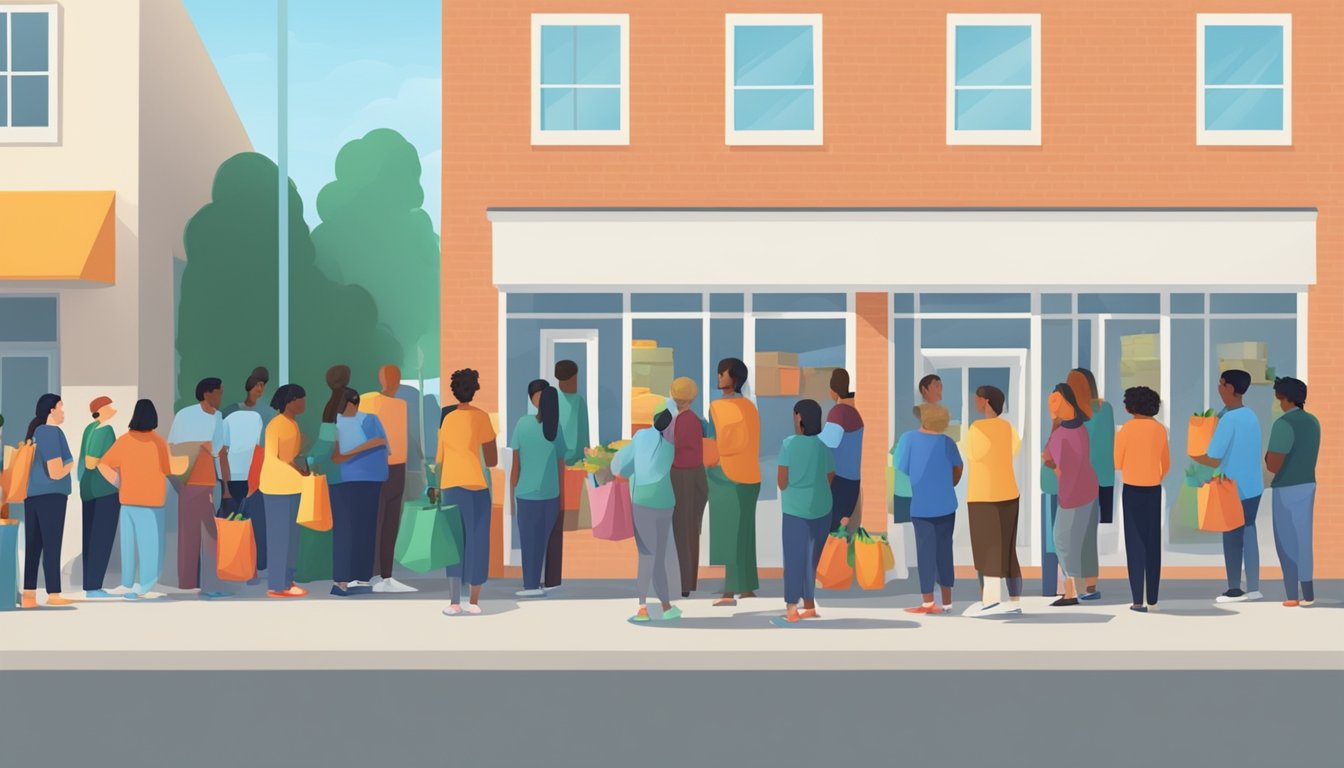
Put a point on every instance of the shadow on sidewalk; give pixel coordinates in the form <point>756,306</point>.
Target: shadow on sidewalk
<point>763,619</point>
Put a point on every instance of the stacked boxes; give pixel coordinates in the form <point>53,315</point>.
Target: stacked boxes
<point>777,374</point>
<point>1249,356</point>
<point>651,367</point>
<point>816,384</point>
<point>643,405</point>
<point>1141,361</point>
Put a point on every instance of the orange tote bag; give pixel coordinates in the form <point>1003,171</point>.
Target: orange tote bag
<point>1220,507</point>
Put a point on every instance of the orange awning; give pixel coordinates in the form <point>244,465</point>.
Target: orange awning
<point>58,236</point>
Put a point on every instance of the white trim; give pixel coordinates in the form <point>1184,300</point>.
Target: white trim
<point>618,137</point>
<point>627,359</point>
<point>1030,137</point>
<point>734,137</point>
<point>1031,434</point>
<point>51,132</point>
<point>851,339</point>
<point>1280,138</point>
<point>1302,331</point>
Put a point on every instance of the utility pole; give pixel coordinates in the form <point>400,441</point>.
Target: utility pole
<point>282,156</point>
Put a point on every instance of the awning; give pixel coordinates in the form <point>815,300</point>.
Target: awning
<point>58,236</point>
<point>888,248</point>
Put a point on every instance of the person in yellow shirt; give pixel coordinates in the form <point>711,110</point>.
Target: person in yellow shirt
<point>1143,457</point>
<point>391,412</point>
<point>282,473</point>
<point>993,504</point>
<point>737,428</point>
<point>466,449</point>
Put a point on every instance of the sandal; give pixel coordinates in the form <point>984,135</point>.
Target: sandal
<point>725,602</point>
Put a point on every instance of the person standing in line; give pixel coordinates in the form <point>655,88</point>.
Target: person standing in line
<point>44,507</point>
<point>843,434</point>
<point>807,479</point>
<point>392,414</point>
<point>574,428</point>
<point>138,463</point>
<point>647,463</point>
<point>101,506</point>
<point>465,453</point>
<point>737,426</point>
<point>1294,444</point>
<point>538,444</point>
<point>1067,453</point>
<point>1101,437</point>
<point>246,424</point>
<point>199,432</point>
<point>993,503</point>
<point>282,473</point>
<point>362,453</point>
<point>931,459</point>
<point>1143,458</point>
<point>1235,451</point>
<point>930,393</point>
<point>689,484</point>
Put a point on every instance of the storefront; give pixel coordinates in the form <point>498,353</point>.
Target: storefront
<point>1015,298</point>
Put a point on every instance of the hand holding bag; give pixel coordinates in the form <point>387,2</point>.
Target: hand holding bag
<point>430,538</point>
<point>868,562</point>
<point>833,570</point>
<point>1201,432</point>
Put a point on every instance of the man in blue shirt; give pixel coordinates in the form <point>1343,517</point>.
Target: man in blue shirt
<point>1235,451</point>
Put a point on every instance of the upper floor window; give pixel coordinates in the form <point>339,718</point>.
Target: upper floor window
<point>28,74</point>
<point>993,78</point>
<point>773,88</point>
<point>580,78</point>
<point>1244,65</point>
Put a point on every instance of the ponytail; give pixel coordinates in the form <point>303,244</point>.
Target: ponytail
<point>45,405</point>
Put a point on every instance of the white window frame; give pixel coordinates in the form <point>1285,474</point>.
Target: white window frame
<point>581,138</point>
<point>1030,137</point>
<point>50,133</point>
<point>734,137</point>
<point>1280,138</point>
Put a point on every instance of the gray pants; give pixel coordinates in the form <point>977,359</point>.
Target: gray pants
<point>657,562</point>
<point>1071,533</point>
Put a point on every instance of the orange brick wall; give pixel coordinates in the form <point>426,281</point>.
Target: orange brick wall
<point>1118,119</point>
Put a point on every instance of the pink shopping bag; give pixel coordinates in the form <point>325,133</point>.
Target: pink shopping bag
<point>612,517</point>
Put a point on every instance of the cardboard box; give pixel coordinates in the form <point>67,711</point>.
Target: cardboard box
<point>774,381</point>
<point>1143,345</point>
<point>816,384</point>
<point>655,377</point>
<point>1256,367</point>
<point>651,355</point>
<point>643,344</point>
<point>1244,350</point>
<point>776,360</point>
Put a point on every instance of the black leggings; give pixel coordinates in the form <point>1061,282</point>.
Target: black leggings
<point>1143,540</point>
<point>44,528</point>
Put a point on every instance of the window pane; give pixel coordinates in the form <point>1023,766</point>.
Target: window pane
<point>1119,303</point>
<point>30,36</point>
<point>1187,303</point>
<point>4,52</point>
<point>1057,303</point>
<point>993,55</point>
<point>798,302</point>
<point>1084,343</point>
<point>725,340</point>
<point>774,55</point>
<point>726,302</point>
<point>972,334</point>
<point>577,303</point>
<point>4,100</point>
<point>904,378</point>
<point>599,55</point>
<point>773,110</point>
<point>994,110</point>
<point>599,109</point>
<point>903,303</point>
<point>523,340</point>
<point>558,107</point>
<point>1133,359</point>
<point>975,302</point>
<point>820,348</point>
<point>30,101</point>
<point>557,55</point>
<point>679,352</point>
<point>1243,109</point>
<point>28,319</point>
<point>665,302</point>
<point>1243,55</point>
<point>23,379</point>
<point>1186,398</point>
<point>1253,303</point>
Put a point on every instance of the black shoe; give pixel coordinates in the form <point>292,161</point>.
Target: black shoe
<point>685,594</point>
<point>1064,602</point>
<point>1139,608</point>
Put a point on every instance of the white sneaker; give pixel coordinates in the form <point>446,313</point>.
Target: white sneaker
<point>453,610</point>
<point>1231,598</point>
<point>996,609</point>
<point>1256,595</point>
<point>973,609</point>
<point>530,593</point>
<point>472,608</point>
<point>380,586</point>
<point>396,586</point>
<point>553,590</point>
<point>118,590</point>
<point>153,596</point>
<point>358,583</point>
<point>947,608</point>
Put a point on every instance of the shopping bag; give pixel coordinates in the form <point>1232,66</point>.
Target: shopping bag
<point>585,521</point>
<point>888,557</point>
<point>315,503</point>
<point>833,570</point>
<point>16,473</point>
<point>9,565</point>
<point>723,517</point>
<point>254,470</point>
<point>313,562</point>
<point>430,538</point>
<point>613,519</point>
<point>236,549</point>
<point>868,568</point>
<point>1220,507</point>
<point>1201,432</point>
<point>574,481</point>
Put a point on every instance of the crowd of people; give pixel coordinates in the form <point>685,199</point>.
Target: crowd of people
<point>249,459</point>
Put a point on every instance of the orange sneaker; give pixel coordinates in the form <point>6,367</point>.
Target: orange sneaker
<point>29,599</point>
<point>810,613</point>
<point>1290,603</point>
<point>293,591</point>
<point>925,610</point>
<point>56,599</point>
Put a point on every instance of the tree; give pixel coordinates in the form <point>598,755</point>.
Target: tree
<point>375,234</point>
<point>227,315</point>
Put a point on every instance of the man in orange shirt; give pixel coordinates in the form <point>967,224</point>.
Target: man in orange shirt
<point>391,411</point>
<point>1143,458</point>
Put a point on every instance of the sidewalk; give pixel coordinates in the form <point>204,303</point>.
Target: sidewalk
<point>585,628</point>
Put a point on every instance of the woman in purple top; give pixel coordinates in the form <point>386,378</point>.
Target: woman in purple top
<point>1069,453</point>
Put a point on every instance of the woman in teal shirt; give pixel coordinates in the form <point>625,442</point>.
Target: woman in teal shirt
<point>806,468</point>
<point>647,462</point>
<point>538,465</point>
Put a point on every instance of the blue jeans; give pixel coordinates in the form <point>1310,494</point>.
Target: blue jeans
<point>803,541</point>
<point>1293,508</point>
<point>933,551</point>
<point>282,539</point>
<point>474,506</point>
<point>1243,546</point>
<point>535,521</point>
<point>141,546</point>
<point>354,527</point>
<point>844,499</point>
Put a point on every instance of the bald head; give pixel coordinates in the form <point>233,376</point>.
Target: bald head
<point>389,378</point>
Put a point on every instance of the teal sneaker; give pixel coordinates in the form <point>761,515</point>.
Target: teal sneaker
<point>98,593</point>
<point>672,614</point>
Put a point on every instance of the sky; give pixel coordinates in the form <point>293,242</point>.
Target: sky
<point>353,66</point>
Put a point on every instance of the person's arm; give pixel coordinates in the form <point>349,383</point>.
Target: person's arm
<point>832,434</point>
<point>516,471</point>
<point>1120,441</point>
<point>1046,456</point>
<point>783,478</point>
<point>1280,443</point>
<point>953,455</point>
<point>489,451</point>
<point>58,467</point>
<point>623,461</point>
<point>221,440</point>
<point>1164,455</point>
<point>109,474</point>
<point>977,445</point>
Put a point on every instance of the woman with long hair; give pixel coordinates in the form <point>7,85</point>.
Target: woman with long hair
<point>282,473</point>
<point>647,463</point>
<point>361,451</point>
<point>1101,440</point>
<point>48,491</point>
<point>466,451</point>
<point>1068,453</point>
<point>138,464</point>
<point>538,467</point>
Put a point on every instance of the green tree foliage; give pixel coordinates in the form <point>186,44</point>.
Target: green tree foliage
<point>375,234</point>
<point>227,316</point>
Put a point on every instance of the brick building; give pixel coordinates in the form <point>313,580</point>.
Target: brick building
<point>995,192</point>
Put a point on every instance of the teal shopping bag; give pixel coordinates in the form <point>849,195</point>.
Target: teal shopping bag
<point>430,538</point>
<point>313,562</point>
<point>9,567</point>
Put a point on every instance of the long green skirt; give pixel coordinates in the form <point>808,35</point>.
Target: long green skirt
<point>732,531</point>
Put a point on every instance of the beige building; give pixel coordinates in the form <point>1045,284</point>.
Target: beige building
<point>112,123</point>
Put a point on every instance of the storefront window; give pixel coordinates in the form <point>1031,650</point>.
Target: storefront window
<point>799,302</point>
<point>1187,303</point>
<point>565,303</point>
<point>662,350</point>
<point>974,302</point>
<point>1253,304</point>
<point>906,381</point>
<point>972,334</point>
<point>725,340</point>
<point>1119,303</point>
<point>726,302</point>
<point>1057,303</point>
<point>666,302</point>
<point>567,339</point>
<point>1187,397</point>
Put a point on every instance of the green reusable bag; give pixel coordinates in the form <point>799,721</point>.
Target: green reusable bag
<point>430,538</point>
<point>313,562</point>
<point>723,517</point>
